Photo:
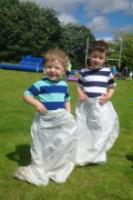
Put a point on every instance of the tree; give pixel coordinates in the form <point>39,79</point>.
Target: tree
<point>74,42</point>
<point>126,40</point>
<point>26,29</point>
<point>127,53</point>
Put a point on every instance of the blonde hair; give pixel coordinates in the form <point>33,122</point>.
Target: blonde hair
<point>56,54</point>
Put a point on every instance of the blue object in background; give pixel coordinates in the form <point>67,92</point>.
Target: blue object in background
<point>73,76</point>
<point>28,63</point>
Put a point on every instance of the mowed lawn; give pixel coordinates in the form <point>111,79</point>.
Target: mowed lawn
<point>112,181</point>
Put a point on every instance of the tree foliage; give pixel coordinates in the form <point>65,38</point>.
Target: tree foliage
<point>74,39</point>
<point>123,41</point>
<point>26,29</point>
<point>127,52</point>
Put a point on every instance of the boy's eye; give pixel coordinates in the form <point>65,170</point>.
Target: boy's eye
<point>101,58</point>
<point>49,66</point>
<point>56,67</point>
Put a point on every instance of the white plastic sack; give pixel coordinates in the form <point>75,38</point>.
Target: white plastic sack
<point>98,129</point>
<point>53,149</point>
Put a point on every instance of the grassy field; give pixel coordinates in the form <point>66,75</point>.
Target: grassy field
<point>112,181</point>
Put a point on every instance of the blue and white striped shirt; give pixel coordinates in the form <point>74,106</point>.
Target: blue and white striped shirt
<point>53,94</point>
<point>94,83</point>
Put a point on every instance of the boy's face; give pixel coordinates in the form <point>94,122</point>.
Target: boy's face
<point>54,70</point>
<point>97,59</point>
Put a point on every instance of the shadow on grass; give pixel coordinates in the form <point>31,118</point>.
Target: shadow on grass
<point>21,155</point>
<point>130,158</point>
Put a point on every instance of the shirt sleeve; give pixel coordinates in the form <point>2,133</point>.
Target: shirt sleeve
<point>34,90</point>
<point>111,81</point>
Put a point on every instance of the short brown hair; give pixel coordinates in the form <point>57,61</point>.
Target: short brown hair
<point>56,54</point>
<point>99,45</point>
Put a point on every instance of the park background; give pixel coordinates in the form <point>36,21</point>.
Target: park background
<point>112,181</point>
<point>27,29</point>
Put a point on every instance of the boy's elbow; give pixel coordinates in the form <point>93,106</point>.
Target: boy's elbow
<point>24,98</point>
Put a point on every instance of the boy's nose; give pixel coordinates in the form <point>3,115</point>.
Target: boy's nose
<point>52,69</point>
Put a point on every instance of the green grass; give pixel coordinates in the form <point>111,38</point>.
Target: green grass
<point>112,181</point>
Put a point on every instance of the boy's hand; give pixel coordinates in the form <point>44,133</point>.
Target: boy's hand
<point>83,97</point>
<point>104,98</point>
<point>40,108</point>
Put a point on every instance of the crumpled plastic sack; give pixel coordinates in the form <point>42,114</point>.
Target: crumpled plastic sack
<point>98,127</point>
<point>53,148</point>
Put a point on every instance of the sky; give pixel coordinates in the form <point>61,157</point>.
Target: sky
<point>102,17</point>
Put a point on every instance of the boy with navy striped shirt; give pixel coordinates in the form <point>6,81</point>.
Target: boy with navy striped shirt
<point>96,118</point>
<point>97,80</point>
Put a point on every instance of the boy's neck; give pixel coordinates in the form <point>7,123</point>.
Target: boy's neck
<point>54,81</point>
<point>97,68</point>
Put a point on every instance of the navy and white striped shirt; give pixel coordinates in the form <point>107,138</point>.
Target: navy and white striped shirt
<point>53,94</point>
<point>94,82</point>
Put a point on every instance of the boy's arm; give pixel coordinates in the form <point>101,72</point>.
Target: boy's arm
<point>108,96</point>
<point>81,94</point>
<point>34,102</point>
<point>110,90</point>
<point>68,106</point>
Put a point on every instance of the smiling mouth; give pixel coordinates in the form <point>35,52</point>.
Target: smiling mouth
<point>52,74</point>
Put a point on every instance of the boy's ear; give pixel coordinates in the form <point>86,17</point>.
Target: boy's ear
<point>64,69</point>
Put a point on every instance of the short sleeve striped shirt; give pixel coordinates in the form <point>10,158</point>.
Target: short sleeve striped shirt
<point>95,82</point>
<point>53,94</point>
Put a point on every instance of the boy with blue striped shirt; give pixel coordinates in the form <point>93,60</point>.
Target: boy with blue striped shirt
<point>52,91</point>
<point>53,149</point>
